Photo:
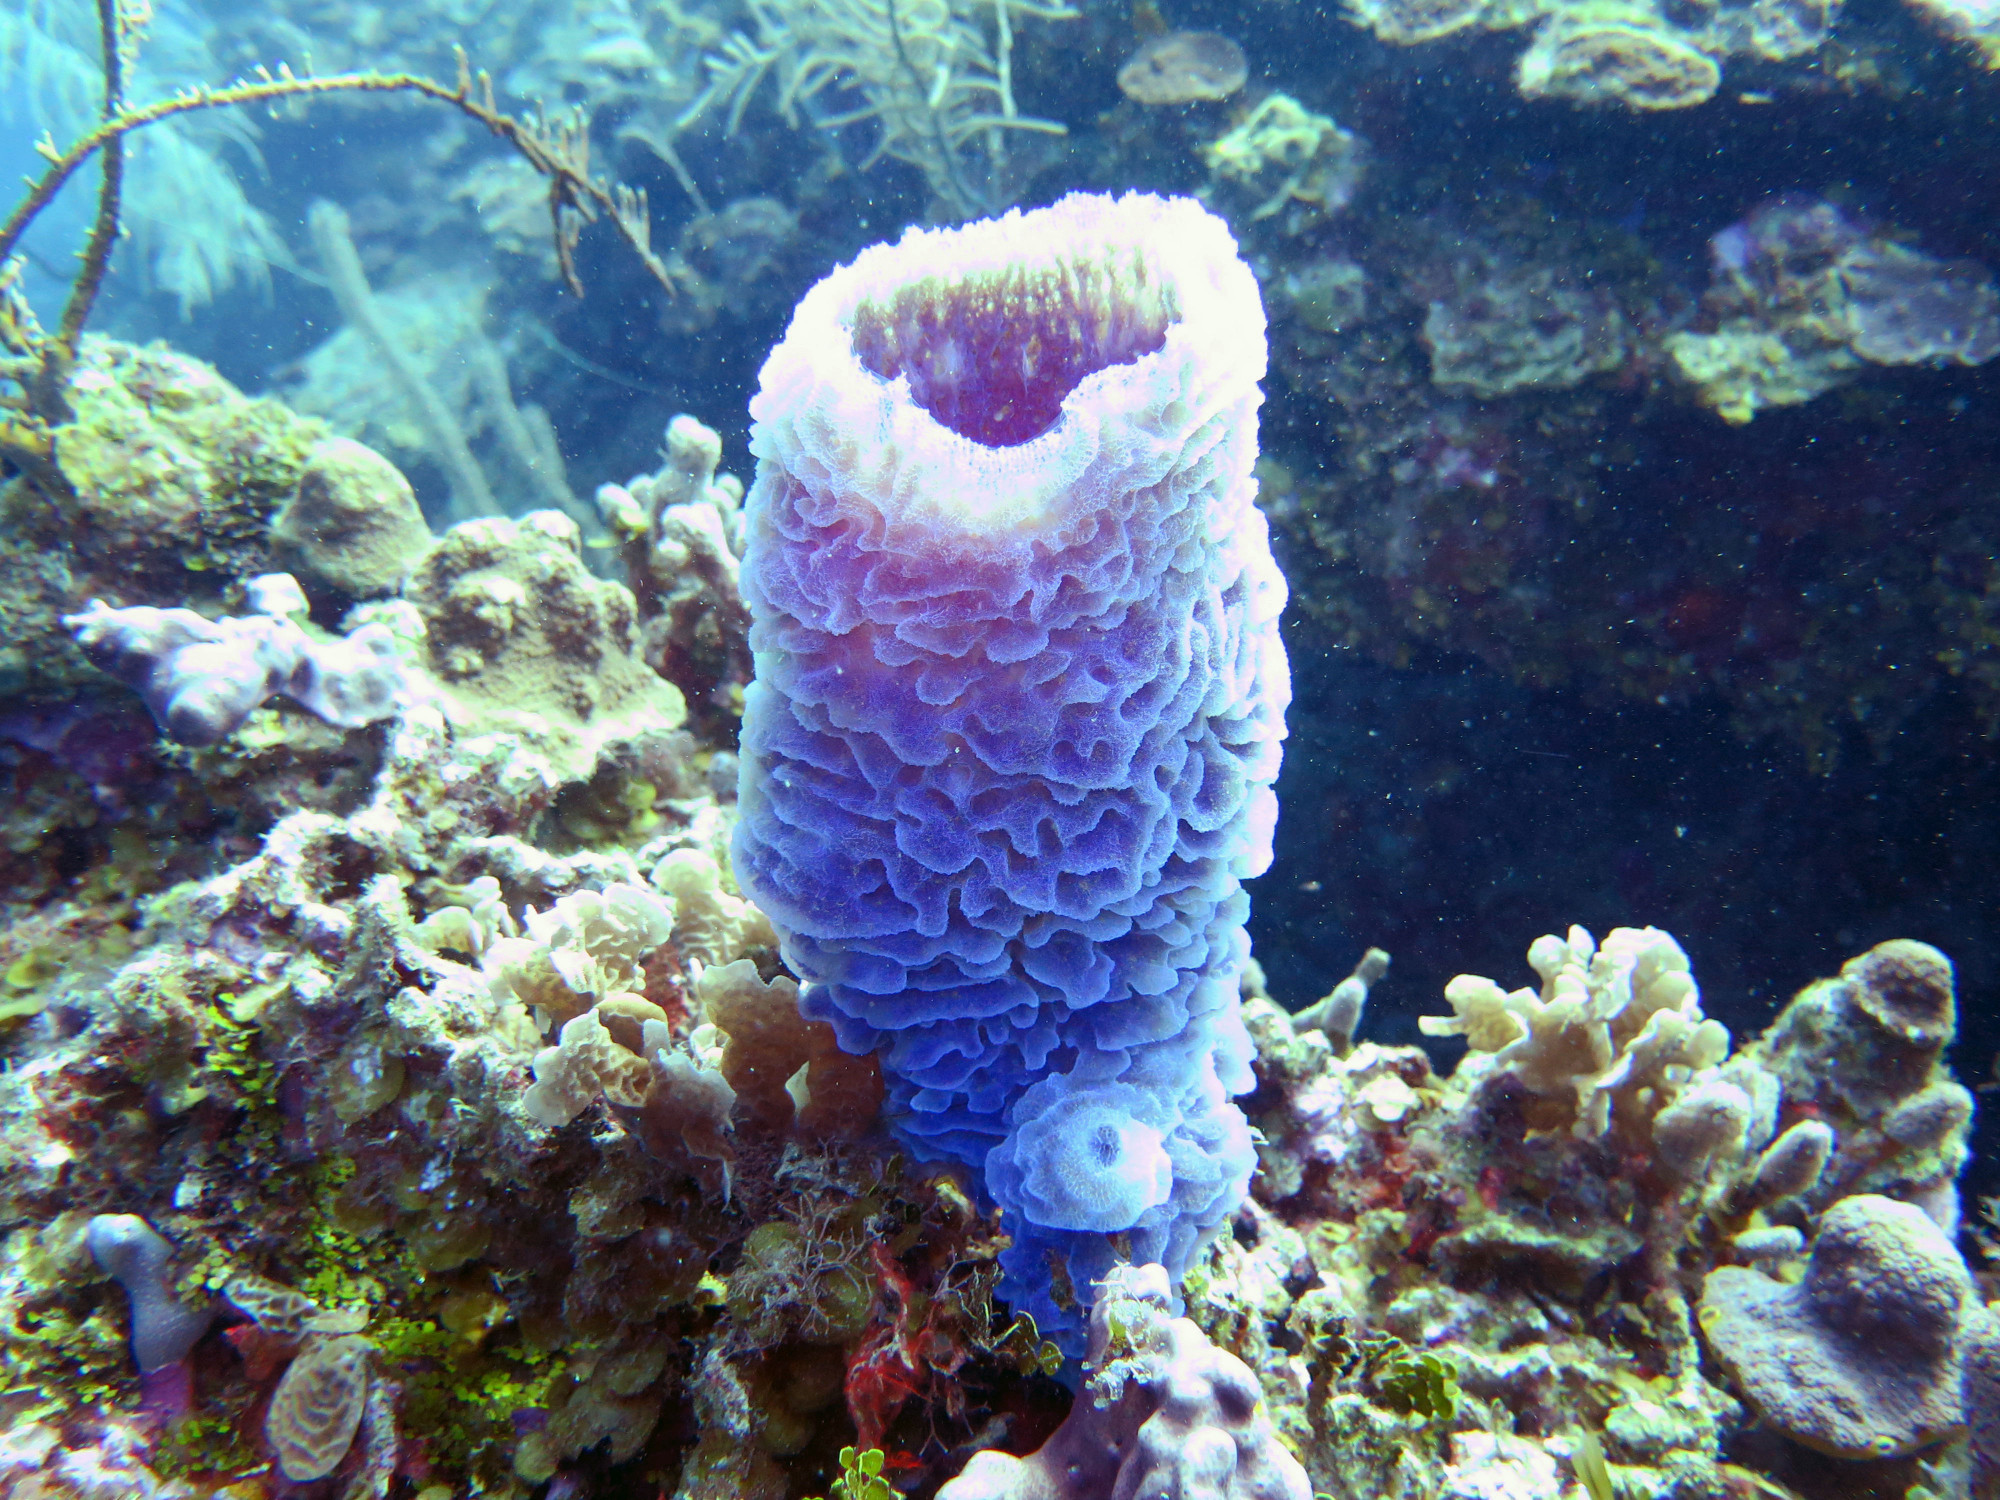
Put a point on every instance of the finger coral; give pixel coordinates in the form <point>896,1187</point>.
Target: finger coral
<point>1018,707</point>
<point>682,531</point>
<point>1610,1026</point>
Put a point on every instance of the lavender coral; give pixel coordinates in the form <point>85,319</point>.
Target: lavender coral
<point>1859,1359</point>
<point>1018,706</point>
<point>1166,1413</point>
<point>202,678</point>
<point>134,1254</point>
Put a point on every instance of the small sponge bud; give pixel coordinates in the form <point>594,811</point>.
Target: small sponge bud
<point>1093,1164</point>
<point>1704,1123</point>
<point>1772,1242</point>
<point>1793,1162</point>
<point>1339,1013</point>
<point>1932,1118</point>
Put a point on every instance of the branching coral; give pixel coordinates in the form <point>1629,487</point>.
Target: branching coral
<point>936,84</point>
<point>682,534</point>
<point>1614,1034</point>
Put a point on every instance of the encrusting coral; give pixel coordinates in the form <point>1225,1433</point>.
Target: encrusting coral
<point>203,678</point>
<point>1634,54</point>
<point>525,641</point>
<point>1860,1359</point>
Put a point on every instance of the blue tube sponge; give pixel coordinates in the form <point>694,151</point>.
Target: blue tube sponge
<point>1018,707</point>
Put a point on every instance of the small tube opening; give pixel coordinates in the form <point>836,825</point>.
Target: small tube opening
<point>994,355</point>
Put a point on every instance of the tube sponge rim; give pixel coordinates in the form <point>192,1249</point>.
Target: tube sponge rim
<point>1218,327</point>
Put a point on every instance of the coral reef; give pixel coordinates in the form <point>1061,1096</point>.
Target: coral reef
<point>1425,1256</point>
<point>1019,701</point>
<point>1514,489</point>
<point>1632,394</point>
<point>485,1109</point>
<point>524,640</point>
<point>1804,295</point>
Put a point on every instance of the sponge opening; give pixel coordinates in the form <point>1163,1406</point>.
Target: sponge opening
<point>994,353</point>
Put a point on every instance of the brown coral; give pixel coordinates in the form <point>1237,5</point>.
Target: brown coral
<point>318,1406</point>
<point>526,641</point>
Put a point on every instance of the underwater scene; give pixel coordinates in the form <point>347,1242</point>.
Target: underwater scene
<point>999,750</point>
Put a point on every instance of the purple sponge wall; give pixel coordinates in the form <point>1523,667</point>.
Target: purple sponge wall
<point>1018,708</point>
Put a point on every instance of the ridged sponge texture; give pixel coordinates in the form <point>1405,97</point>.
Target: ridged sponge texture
<point>1018,707</point>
